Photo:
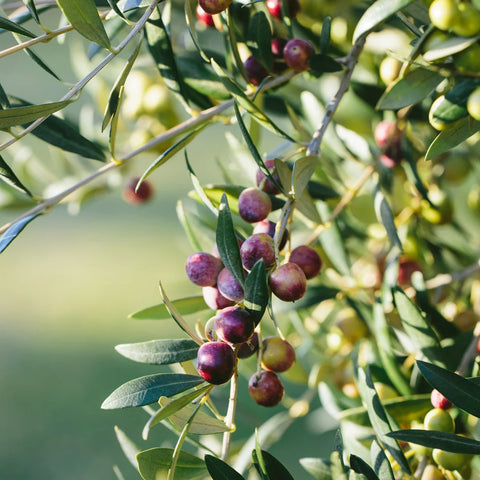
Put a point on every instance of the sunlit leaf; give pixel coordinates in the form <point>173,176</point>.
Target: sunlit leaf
<point>448,47</point>
<point>219,470</point>
<point>153,464</point>
<point>462,392</point>
<point>202,424</point>
<point>256,291</point>
<point>227,243</point>
<point>159,352</point>
<point>172,407</point>
<point>378,418</point>
<point>148,389</point>
<point>185,306</point>
<point>11,117</point>
<point>385,217</point>
<point>128,447</point>
<point>13,231</point>
<point>83,16</point>
<point>8,176</point>
<point>416,85</point>
<point>303,169</point>
<point>417,328</point>
<point>442,440</point>
<point>318,468</point>
<point>380,462</point>
<point>376,14</point>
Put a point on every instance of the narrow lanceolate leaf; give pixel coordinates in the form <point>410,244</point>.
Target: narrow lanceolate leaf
<point>380,462</point>
<point>172,407</point>
<point>10,26</point>
<point>188,228</point>
<point>448,47</point>
<point>435,439</point>
<point>160,47</point>
<point>202,424</point>
<point>32,9</point>
<point>462,392</point>
<point>10,117</point>
<point>227,242</point>
<point>303,169</point>
<point>379,419</point>
<point>275,469</point>
<point>412,88</point>
<point>159,352</point>
<point>12,233</point>
<point>8,176</point>
<point>219,470</point>
<point>41,63</point>
<point>185,306</point>
<point>84,18</point>
<point>360,466</point>
<point>417,328</point>
<point>452,137</point>
<point>191,19</point>
<point>246,103</point>
<point>256,291</point>
<point>128,447</point>
<point>113,103</point>
<point>253,149</point>
<point>376,14</point>
<point>259,464</point>
<point>318,468</point>
<point>148,389</point>
<point>170,152</point>
<point>153,464</point>
<point>174,313</point>
<point>259,39</point>
<point>385,217</point>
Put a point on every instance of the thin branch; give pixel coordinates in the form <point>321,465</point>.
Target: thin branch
<point>229,418</point>
<point>344,201</point>
<point>169,134</point>
<point>79,86</point>
<point>447,278</point>
<point>350,62</point>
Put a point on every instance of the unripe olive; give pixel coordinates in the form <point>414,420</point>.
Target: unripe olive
<point>444,13</point>
<point>468,21</point>
<point>431,472</point>
<point>440,420</point>
<point>389,70</point>
<point>468,60</point>
<point>277,354</point>
<point>473,104</point>
<point>450,460</point>
<point>443,211</point>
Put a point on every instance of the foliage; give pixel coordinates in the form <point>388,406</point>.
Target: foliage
<point>378,178</point>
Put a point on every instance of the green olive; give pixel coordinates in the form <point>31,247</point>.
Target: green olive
<point>473,104</point>
<point>450,460</point>
<point>444,13</point>
<point>439,420</point>
<point>468,22</point>
<point>468,60</point>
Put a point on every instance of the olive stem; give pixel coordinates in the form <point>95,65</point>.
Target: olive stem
<point>229,418</point>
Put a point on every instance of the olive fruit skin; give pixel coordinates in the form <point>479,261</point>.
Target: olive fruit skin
<point>204,17</point>
<point>473,104</point>
<point>440,420</point>
<point>431,472</point>
<point>439,401</point>
<point>267,389</point>
<point>468,20</point>
<point>254,205</point>
<point>143,194</point>
<point>450,460</point>
<point>264,183</point>
<point>297,53</point>
<point>255,70</point>
<point>278,355</point>
<point>307,259</point>
<point>210,333</point>
<point>229,287</point>
<point>248,348</point>
<point>214,299</point>
<point>288,282</point>
<point>268,227</point>
<point>216,362</point>
<point>275,8</point>
<point>444,13</point>
<point>234,325</point>
<point>214,6</point>
<point>389,137</point>
<point>258,246</point>
<point>202,269</point>
<point>389,70</point>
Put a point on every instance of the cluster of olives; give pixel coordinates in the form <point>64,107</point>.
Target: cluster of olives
<point>440,419</point>
<point>231,332</point>
<point>294,53</point>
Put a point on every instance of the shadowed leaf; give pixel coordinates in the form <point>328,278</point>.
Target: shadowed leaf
<point>219,470</point>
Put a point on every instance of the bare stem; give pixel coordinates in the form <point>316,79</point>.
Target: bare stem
<point>173,132</point>
<point>344,201</point>
<point>229,418</point>
<point>448,278</point>
<point>350,62</point>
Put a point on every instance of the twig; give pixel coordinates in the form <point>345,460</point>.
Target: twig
<point>229,418</point>
<point>350,62</point>
<point>173,132</point>
<point>448,278</point>
<point>79,86</point>
<point>344,201</point>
